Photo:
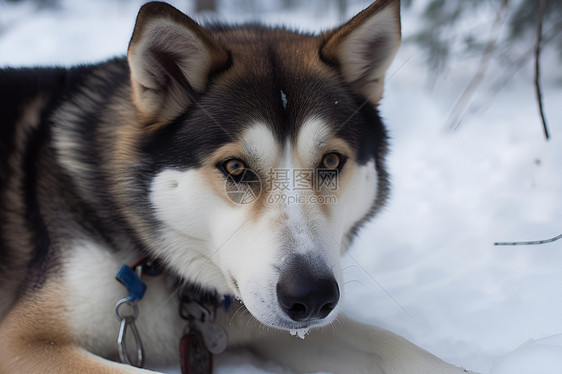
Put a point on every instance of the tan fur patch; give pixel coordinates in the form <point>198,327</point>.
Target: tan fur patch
<point>217,181</point>
<point>341,146</point>
<point>35,339</point>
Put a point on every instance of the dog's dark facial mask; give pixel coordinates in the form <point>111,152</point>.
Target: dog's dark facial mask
<point>266,153</point>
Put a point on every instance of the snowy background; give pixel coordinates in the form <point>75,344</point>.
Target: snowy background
<point>426,267</point>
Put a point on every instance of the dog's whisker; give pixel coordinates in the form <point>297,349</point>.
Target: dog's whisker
<point>248,323</point>
<point>365,270</point>
<point>236,312</point>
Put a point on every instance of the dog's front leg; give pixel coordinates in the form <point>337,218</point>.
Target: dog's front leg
<point>348,346</point>
<point>34,339</point>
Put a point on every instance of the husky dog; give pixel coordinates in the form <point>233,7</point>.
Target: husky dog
<point>238,162</point>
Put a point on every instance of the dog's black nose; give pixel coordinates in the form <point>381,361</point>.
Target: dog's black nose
<point>304,296</point>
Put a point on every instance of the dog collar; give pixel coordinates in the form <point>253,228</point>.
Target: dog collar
<point>202,338</point>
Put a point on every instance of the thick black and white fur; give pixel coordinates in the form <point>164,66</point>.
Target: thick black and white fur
<point>103,164</point>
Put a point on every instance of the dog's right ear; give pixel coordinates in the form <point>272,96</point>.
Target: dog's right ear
<point>170,57</point>
<point>364,47</point>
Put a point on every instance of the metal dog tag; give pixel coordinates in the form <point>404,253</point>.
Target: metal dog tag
<point>214,336</point>
<point>195,357</point>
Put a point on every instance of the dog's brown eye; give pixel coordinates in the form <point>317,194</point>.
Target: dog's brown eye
<point>331,161</point>
<point>234,167</point>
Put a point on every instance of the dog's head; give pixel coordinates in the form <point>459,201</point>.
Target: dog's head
<point>265,153</point>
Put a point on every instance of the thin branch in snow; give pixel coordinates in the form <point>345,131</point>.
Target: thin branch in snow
<point>535,242</point>
<point>538,91</point>
<point>511,68</point>
<point>455,118</point>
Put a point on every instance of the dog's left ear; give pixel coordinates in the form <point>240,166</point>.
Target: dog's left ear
<point>171,58</point>
<point>364,47</point>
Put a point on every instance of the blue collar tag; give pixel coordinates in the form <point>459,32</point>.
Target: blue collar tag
<point>135,286</point>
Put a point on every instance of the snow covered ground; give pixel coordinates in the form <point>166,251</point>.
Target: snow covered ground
<point>426,267</point>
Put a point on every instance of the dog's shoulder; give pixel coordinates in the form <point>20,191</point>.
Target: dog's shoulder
<point>29,173</point>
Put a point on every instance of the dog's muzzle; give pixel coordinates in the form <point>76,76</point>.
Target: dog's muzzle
<point>305,292</point>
